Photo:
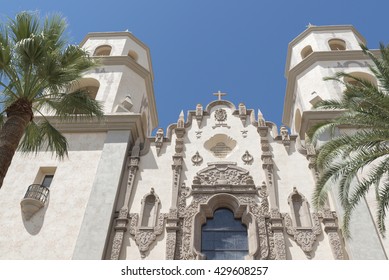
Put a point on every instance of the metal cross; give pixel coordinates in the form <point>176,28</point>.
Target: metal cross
<point>219,94</point>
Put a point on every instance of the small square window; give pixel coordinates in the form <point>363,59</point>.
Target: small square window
<point>47,180</point>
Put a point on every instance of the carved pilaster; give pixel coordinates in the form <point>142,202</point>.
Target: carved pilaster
<point>122,221</point>
<point>120,229</point>
<point>332,230</point>
<point>278,234</point>
<point>171,229</point>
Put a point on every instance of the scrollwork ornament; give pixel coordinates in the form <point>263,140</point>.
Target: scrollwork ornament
<point>220,115</point>
<point>247,158</point>
<point>197,159</point>
<point>144,237</point>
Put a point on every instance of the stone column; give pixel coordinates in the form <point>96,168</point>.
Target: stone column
<point>172,219</point>
<point>275,217</point>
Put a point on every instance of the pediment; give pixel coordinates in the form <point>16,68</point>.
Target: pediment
<point>223,173</point>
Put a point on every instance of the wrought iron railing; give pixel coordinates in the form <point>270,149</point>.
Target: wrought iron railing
<point>37,192</point>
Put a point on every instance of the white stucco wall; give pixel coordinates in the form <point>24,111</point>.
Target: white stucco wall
<point>52,232</point>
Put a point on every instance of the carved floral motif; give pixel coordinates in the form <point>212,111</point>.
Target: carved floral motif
<point>220,115</point>
<point>304,237</point>
<point>223,174</point>
<point>144,237</point>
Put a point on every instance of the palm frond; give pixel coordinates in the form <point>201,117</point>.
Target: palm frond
<point>43,136</point>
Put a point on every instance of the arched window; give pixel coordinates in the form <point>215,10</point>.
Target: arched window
<point>133,55</point>
<point>299,208</point>
<point>104,50</point>
<point>362,76</point>
<point>89,86</point>
<point>307,50</point>
<point>223,237</point>
<point>149,210</point>
<point>147,218</point>
<point>337,44</point>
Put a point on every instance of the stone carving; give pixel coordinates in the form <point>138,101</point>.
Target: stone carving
<point>332,230</point>
<point>261,120</point>
<point>242,113</point>
<point>199,114</point>
<point>220,117</point>
<point>122,220</point>
<point>197,159</point>
<point>207,185</point>
<point>181,120</point>
<point>144,237</point>
<point>285,136</point>
<point>120,228</point>
<point>277,229</point>
<point>159,139</point>
<point>223,174</point>
<point>220,145</point>
<point>171,229</point>
<point>245,200</point>
<point>247,158</point>
<point>304,237</point>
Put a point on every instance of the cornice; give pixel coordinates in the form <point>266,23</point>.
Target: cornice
<point>112,35</point>
<point>312,117</point>
<point>309,61</point>
<point>110,122</point>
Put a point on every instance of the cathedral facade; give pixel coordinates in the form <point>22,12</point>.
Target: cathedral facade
<point>222,182</point>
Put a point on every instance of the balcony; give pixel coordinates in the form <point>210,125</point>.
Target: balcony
<point>34,199</point>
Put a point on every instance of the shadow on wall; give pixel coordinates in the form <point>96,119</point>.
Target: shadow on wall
<point>35,223</point>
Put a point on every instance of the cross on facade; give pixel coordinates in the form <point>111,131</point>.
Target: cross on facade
<point>219,94</point>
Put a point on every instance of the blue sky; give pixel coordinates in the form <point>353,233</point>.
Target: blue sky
<point>201,46</point>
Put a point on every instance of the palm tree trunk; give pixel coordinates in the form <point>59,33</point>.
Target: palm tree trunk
<point>19,114</point>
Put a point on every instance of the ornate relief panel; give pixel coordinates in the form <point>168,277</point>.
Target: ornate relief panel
<point>149,225</point>
<point>226,185</point>
<point>301,225</point>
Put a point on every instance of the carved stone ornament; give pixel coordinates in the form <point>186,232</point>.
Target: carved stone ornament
<point>197,159</point>
<point>304,237</point>
<point>199,114</point>
<point>220,115</point>
<point>144,237</point>
<point>285,136</point>
<point>159,139</point>
<point>247,158</point>
<point>242,113</point>
<point>244,206</point>
<point>223,173</point>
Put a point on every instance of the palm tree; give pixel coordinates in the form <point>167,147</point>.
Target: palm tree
<point>38,73</point>
<point>355,162</point>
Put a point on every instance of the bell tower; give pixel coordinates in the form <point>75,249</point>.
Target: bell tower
<point>319,52</point>
<point>125,77</point>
